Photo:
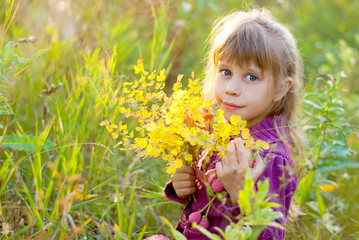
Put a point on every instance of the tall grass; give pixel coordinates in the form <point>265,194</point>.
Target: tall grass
<point>82,186</point>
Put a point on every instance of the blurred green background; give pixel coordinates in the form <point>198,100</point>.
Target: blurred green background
<point>90,47</point>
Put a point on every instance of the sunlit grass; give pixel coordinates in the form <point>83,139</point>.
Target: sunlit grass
<point>86,187</point>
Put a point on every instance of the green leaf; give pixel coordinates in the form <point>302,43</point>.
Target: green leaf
<point>312,104</point>
<point>39,52</point>
<point>8,51</point>
<point>26,143</point>
<point>8,58</point>
<point>337,152</point>
<point>132,221</point>
<point>331,164</point>
<point>247,231</point>
<point>246,195</point>
<point>321,205</point>
<point>206,232</point>
<point>264,218</point>
<point>5,109</point>
<point>24,62</point>
<point>30,202</point>
<point>304,187</point>
<point>4,183</point>
<point>140,235</point>
<point>244,202</point>
<point>175,233</point>
<point>263,188</point>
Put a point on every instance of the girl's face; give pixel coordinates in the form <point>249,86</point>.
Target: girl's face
<point>244,90</point>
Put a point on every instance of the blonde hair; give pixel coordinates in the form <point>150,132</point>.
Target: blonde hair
<point>242,37</point>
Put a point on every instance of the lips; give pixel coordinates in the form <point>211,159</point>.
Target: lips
<point>231,106</point>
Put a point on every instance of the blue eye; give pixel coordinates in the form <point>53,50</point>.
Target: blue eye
<point>251,78</point>
<point>226,73</point>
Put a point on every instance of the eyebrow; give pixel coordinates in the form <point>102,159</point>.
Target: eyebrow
<point>253,66</point>
<point>258,71</point>
<point>223,64</point>
<point>255,69</point>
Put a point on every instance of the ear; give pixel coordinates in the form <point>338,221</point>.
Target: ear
<point>283,89</point>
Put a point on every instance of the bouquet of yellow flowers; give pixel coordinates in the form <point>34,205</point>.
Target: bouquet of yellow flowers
<point>176,128</point>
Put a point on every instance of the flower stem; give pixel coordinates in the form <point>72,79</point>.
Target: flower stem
<point>208,204</point>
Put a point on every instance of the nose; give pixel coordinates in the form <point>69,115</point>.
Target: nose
<point>233,88</point>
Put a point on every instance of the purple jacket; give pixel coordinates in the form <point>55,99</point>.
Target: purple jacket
<point>282,180</point>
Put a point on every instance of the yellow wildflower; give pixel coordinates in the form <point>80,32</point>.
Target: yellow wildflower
<point>141,142</point>
<point>114,135</point>
<point>175,127</point>
<point>104,123</point>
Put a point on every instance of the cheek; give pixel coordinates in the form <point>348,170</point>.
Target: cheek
<point>218,85</point>
<point>217,89</point>
<point>215,85</point>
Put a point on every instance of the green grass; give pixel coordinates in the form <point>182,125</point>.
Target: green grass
<point>87,187</point>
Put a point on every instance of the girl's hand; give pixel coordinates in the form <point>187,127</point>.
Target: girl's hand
<point>232,170</point>
<point>183,181</point>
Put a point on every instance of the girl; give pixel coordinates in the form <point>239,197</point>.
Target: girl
<point>253,70</point>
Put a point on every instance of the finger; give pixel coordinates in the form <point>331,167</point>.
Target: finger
<point>232,161</point>
<point>219,169</point>
<point>258,168</point>
<point>241,153</point>
<point>183,184</point>
<point>225,165</point>
<point>182,193</point>
<point>185,169</point>
<point>224,160</point>
<point>183,177</point>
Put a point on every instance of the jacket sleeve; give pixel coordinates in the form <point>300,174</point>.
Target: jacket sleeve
<point>170,193</point>
<point>282,183</point>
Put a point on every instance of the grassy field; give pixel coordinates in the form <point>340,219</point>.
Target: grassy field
<point>63,64</point>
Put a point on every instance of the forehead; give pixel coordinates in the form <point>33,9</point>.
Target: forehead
<point>248,43</point>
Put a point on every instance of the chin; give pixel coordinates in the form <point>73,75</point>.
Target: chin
<point>227,116</point>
